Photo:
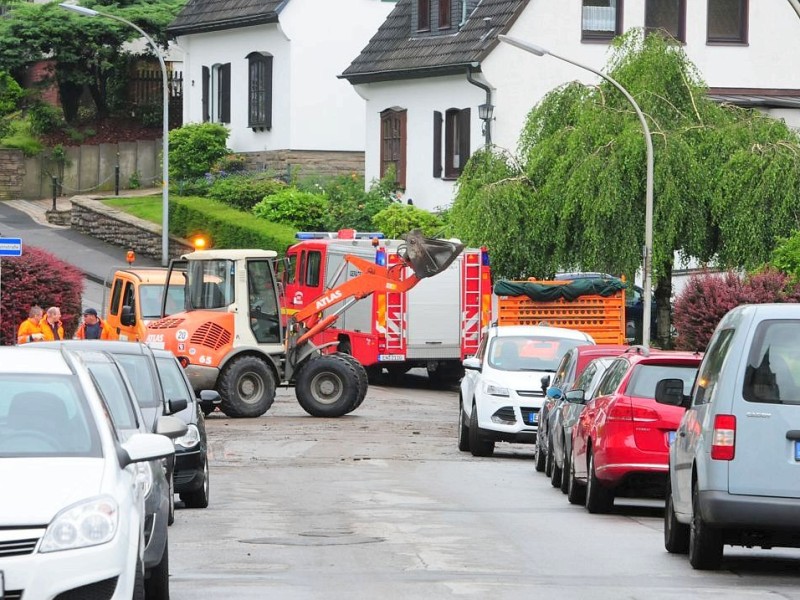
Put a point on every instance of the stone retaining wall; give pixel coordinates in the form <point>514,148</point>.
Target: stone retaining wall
<point>92,217</point>
<point>12,174</point>
<point>306,162</point>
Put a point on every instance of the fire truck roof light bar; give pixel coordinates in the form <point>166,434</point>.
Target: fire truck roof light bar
<point>342,234</point>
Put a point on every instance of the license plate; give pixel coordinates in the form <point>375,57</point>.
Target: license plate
<point>533,417</point>
<point>391,357</point>
<point>797,450</point>
<point>671,437</point>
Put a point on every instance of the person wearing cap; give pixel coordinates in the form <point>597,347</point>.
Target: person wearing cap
<point>93,327</point>
<point>30,329</point>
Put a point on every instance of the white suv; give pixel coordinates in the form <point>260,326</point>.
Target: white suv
<point>501,392</point>
<point>74,524</point>
<point>734,467</point>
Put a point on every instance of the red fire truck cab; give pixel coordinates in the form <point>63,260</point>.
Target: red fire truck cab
<point>435,325</point>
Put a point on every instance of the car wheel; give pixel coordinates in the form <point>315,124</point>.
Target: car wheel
<point>199,498</point>
<point>705,542</point>
<point>565,475</point>
<point>548,461</point>
<point>138,581</point>
<point>477,445</point>
<point>156,585</point>
<point>171,513</point>
<point>540,457</point>
<point>463,429</point>
<point>207,409</point>
<point>598,499</point>
<point>576,492</point>
<point>676,534</point>
<point>555,474</point>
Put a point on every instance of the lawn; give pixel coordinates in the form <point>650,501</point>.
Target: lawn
<point>145,207</point>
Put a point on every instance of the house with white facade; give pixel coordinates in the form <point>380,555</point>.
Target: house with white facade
<point>267,69</point>
<point>436,66</point>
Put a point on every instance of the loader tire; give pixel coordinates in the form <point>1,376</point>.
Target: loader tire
<point>363,379</point>
<point>327,386</point>
<point>247,388</point>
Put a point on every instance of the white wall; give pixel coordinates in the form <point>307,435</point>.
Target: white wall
<point>207,49</point>
<point>325,36</point>
<point>419,97</point>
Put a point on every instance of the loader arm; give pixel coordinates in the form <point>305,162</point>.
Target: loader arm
<point>426,257</point>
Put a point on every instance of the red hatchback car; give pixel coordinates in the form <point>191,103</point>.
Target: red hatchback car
<point>620,444</point>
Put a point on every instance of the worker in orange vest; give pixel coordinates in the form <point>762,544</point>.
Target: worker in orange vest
<point>30,330</point>
<point>52,329</point>
<point>93,327</point>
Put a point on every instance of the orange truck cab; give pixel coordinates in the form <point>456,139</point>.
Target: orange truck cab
<point>135,300</point>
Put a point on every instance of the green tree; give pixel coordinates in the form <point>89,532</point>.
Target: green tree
<point>725,183</point>
<point>86,52</point>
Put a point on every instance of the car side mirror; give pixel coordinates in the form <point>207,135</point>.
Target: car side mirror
<point>127,317</point>
<point>210,396</point>
<point>176,406</point>
<point>473,363</point>
<point>172,427</point>
<point>670,391</point>
<point>575,397</point>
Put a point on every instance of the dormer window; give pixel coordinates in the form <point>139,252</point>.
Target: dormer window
<point>423,15</point>
<point>445,12</point>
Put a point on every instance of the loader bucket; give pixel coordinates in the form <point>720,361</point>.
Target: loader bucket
<point>429,256</point>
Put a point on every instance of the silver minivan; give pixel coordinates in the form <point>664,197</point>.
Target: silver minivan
<point>734,473</point>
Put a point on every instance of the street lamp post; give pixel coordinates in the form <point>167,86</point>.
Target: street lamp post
<point>647,264</point>
<point>90,12</point>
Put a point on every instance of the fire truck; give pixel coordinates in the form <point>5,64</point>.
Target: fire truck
<point>231,336</point>
<point>435,325</point>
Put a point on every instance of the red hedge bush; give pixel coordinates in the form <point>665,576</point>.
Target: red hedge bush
<point>708,296</point>
<point>37,277</point>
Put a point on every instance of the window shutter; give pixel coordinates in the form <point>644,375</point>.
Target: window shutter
<point>225,93</point>
<point>464,123</point>
<point>206,82</point>
<point>437,143</point>
<point>268,98</point>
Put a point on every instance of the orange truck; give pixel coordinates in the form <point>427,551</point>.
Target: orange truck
<point>135,300</point>
<point>592,305</point>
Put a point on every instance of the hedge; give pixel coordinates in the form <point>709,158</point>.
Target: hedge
<point>225,226</point>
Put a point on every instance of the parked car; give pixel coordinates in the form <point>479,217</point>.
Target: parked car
<point>568,371</point>
<point>620,443</point>
<point>117,392</point>
<point>734,470</point>
<point>501,392</point>
<point>568,413</point>
<point>191,478</point>
<point>70,529</point>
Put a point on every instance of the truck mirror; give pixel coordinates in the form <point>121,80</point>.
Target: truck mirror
<point>545,381</point>
<point>127,317</point>
<point>670,391</point>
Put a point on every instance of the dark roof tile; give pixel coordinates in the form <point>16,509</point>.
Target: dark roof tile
<point>214,15</point>
<point>396,52</point>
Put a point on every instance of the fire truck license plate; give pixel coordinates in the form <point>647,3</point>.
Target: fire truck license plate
<point>391,357</point>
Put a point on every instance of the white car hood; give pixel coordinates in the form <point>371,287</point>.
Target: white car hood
<point>517,380</point>
<point>35,489</point>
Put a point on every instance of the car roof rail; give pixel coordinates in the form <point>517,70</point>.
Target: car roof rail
<point>638,349</point>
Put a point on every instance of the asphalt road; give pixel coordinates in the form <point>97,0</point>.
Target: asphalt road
<point>380,505</point>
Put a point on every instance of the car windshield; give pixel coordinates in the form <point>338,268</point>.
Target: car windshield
<point>523,353</point>
<point>138,371</point>
<point>645,377</point>
<point>45,416</point>
<point>150,298</point>
<point>172,379</point>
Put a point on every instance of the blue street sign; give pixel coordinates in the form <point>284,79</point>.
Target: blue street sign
<point>10,246</point>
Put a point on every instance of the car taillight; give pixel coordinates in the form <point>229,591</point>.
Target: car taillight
<point>723,438</point>
<point>624,411</point>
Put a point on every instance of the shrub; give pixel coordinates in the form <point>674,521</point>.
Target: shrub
<point>786,256</point>
<point>398,219</point>
<point>194,148</point>
<point>350,206</point>
<point>38,277</point>
<point>304,210</point>
<point>11,94</point>
<point>18,135</point>
<point>244,191</point>
<point>708,296</point>
<point>196,186</point>
<point>230,163</point>
<point>225,226</point>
